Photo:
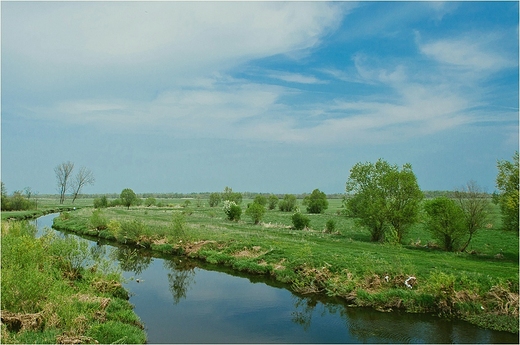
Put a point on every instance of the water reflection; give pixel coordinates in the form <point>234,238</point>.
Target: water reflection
<point>186,301</point>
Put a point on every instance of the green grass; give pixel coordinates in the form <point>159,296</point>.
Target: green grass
<point>343,264</point>
<point>66,294</point>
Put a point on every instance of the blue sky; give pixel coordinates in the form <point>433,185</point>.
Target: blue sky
<point>280,97</point>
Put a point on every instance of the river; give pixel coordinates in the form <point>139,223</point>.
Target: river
<point>186,301</point>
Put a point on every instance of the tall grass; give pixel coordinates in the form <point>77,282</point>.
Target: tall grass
<point>55,291</point>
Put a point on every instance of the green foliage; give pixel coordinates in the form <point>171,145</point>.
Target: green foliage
<point>381,195</point>
<point>98,220</point>
<point>288,204</point>
<point>256,211</point>
<point>232,210</point>
<point>260,199</point>
<point>178,226</point>
<point>101,202</point>
<point>214,199</point>
<point>128,197</point>
<point>229,195</point>
<point>300,221</point>
<point>445,222</point>
<point>316,202</point>
<point>150,201</point>
<point>273,201</point>
<point>130,231</point>
<point>16,202</point>
<point>330,226</point>
<point>507,182</point>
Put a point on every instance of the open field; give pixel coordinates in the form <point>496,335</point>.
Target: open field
<point>480,285</point>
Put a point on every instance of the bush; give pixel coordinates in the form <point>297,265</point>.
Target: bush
<point>288,204</point>
<point>273,201</point>
<point>101,202</point>
<point>178,226</point>
<point>256,211</point>
<point>150,201</point>
<point>300,221</point>
<point>232,210</point>
<point>316,202</point>
<point>330,226</point>
<point>98,220</point>
<point>261,200</point>
<point>445,222</point>
<point>214,199</point>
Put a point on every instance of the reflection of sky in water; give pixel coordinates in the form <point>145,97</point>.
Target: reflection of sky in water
<point>215,307</point>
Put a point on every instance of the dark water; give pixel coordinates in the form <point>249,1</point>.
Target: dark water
<point>184,301</point>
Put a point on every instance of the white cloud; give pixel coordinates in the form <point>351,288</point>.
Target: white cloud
<point>296,78</point>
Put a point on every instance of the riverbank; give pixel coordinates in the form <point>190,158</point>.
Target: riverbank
<point>481,287</point>
<point>54,291</point>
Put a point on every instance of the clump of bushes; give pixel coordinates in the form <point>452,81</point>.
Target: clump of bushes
<point>300,221</point>
<point>330,226</point>
<point>288,204</point>
<point>232,210</point>
<point>98,220</point>
<point>256,211</point>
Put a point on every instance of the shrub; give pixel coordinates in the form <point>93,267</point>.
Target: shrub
<point>98,220</point>
<point>260,199</point>
<point>300,221</point>
<point>178,226</point>
<point>229,195</point>
<point>273,201</point>
<point>330,226</point>
<point>214,199</point>
<point>132,230</point>
<point>256,211</point>
<point>150,201</point>
<point>288,204</point>
<point>101,202</point>
<point>445,222</point>
<point>316,202</point>
<point>232,210</point>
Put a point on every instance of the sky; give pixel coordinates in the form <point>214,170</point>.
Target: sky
<point>272,97</point>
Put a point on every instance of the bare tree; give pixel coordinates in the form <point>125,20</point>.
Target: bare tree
<point>83,177</point>
<point>63,172</point>
<point>474,202</point>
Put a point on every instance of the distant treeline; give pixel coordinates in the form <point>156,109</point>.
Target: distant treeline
<point>246,195</point>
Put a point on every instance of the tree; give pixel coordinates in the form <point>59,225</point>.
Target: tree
<point>474,203</point>
<point>381,196</point>
<point>446,222</point>
<point>256,211</point>
<point>288,204</point>
<point>83,177</point>
<point>507,184</point>
<point>260,199</point>
<point>232,210</point>
<point>273,201</point>
<point>128,197</point>
<point>229,195</point>
<point>316,202</point>
<point>63,172</point>
<point>300,221</point>
<point>214,199</point>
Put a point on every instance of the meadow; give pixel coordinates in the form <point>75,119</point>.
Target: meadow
<point>479,285</point>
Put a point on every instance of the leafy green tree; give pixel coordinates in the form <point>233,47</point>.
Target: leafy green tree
<point>150,201</point>
<point>288,204</point>
<point>507,184</point>
<point>446,222</point>
<point>229,195</point>
<point>381,195</point>
<point>256,211</point>
<point>101,202</point>
<point>273,201</point>
<point>316,202</point>
<point>214,199</point>
<point>260,199</point>
<point>128,198</point>
<point>475,204</point>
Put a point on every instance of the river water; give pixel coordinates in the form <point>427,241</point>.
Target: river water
<point>185,301</point>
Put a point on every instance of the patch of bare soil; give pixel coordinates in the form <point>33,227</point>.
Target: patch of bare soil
<point>194,247</point>
<point>75,339</point>
<point>250,253</point>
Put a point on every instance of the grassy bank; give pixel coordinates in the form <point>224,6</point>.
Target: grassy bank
<point>55,291</point>
<point>46,206</point>
<point>480,286</point>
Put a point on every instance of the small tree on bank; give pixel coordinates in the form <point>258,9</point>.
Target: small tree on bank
<point>446,222</point>
<point>474,204</point>
<point>381,195</point>
<point>63,172</point>
<point>128,197</point>
<point>83,177</point>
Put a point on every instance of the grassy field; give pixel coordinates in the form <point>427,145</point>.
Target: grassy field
<point>480,285</point>
<point>54,291</point>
